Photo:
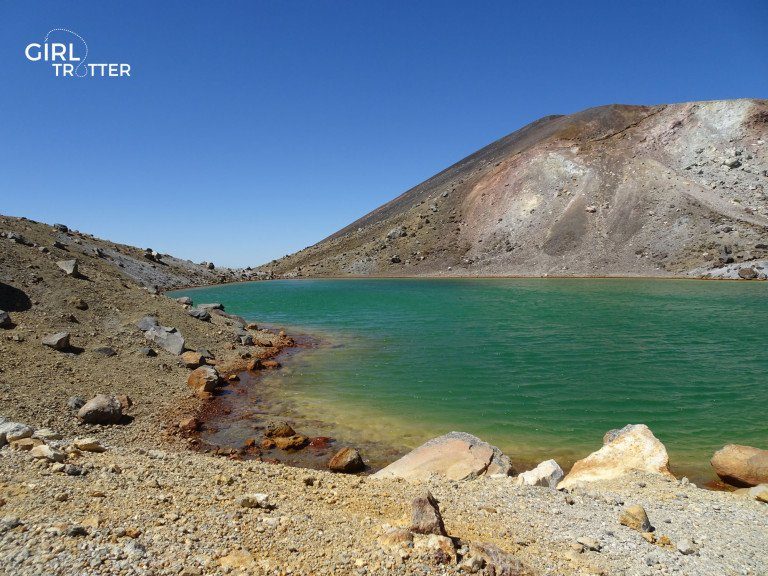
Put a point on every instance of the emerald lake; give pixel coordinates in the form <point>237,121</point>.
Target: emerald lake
<point>540,367</point>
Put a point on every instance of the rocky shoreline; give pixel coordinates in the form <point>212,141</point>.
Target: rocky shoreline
<point>101,383</point>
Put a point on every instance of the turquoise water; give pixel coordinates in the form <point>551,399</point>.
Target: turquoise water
<point>540,367</point>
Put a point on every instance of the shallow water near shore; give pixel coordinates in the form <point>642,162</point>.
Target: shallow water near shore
<point>540,367</point>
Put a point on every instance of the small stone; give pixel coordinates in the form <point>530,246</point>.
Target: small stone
<point>256,500</point>
<point>26,444</point>
<point>184,301</point>
<point>169,339</point>
<point>686,547</point>
<point>147,351</point>
<point>591,209</point>
<point>5,319</point>
<point>590,544</point>
<point>426,517</point>
<point>635,517</point>
<point>58,341</point>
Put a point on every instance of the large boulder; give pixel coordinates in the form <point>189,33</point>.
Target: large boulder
<point>347,460</point>
<point>631,448</point>
<point>741,465</point>
<point>101,409</point>
<point>169,339</point>
<point>203,379</point>
<point>457,455</point>
<point>547,474</point>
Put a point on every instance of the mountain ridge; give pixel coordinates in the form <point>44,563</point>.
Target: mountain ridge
<point>569,195</point>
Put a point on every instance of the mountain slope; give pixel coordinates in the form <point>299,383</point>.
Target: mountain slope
<point>615,190</point>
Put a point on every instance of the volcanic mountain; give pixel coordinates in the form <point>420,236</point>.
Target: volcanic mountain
<point>667,190</point>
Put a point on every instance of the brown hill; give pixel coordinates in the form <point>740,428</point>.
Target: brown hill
<point>669,190</point>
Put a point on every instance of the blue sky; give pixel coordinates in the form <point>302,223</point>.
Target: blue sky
<point>248,130</point>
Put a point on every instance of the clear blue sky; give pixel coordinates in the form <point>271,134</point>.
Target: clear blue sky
<point>248,130</point>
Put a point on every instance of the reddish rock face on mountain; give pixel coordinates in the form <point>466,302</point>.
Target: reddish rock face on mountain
<point>663,190</point>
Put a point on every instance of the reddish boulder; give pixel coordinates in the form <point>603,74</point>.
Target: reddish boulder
<point>203,379</point>
<point>346,460</point>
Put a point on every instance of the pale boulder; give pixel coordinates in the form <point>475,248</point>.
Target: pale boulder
<point>633,448</point>
<point>741,465</point>
<point>547,474</point>
<point>457,455</point>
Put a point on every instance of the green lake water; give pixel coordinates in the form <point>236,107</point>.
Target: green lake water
<point>540,367</point>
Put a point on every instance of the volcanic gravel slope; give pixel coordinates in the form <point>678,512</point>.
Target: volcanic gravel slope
<point>668,190</point>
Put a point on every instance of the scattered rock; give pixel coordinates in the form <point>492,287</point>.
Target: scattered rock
<point>270,364</point>
<point>46,435</point>
<point>590,544</point>
<point>10,431</point>
<point>70,267</point>
<point>741,465</point>
<point>256,500</point>
<point>591,209</point>
<point>759,492</point>
<point>101,409</point>
<point>26,444</point>
<point>548,474</point>
<point>296,442</point>
<point>634,447</point>
<point>190,424</point>
<point>686,546</point>
<point>184,300</point>
<point>169,339</point>
<point>5,320</point>
<point>426,517</point>
<point>192,359</point>
<point>279,429</point>
<point>58,341</point>
<point>635,517</point>
<point>203,379</point>
<point>61,228</point>
<point>199,313</point>
<point>457,455</point>
<point>346,460</point>
<point>147,351</point>
<point>88,445</point>
<point>748,273</point>
<point>45,452</point>
<point>211,306</point>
